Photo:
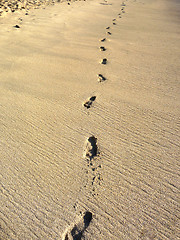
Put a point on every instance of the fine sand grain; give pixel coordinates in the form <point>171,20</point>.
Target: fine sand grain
<point>89,121</point>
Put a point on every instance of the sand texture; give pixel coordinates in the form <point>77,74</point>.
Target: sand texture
<point>89,121</point>
<point>11,6</point>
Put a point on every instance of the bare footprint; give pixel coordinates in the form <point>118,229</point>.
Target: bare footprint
<point>91,149</point>
<point>89,102</point>
<point>109,33</point>
<point>102,48</point>
<point>101,78</point>
<point>103,40</point>
<point>76,231</point>
<point>103,61</point>
<point>16,26</point>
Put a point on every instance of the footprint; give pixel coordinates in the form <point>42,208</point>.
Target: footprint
<point>114,23</point>
<point>108,28</point>
<point>93,158</point>
<point>109,33</point>
<point>16,26</point>
<point>101,78</point>
<point>114,19</point>
<point>89,102</point>
<point>78,229</point>
<point>103,61</point>
<point>103,40</point>
<point>102,48</point>
<point>91,148</point>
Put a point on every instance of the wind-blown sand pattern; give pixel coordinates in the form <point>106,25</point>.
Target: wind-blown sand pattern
<point>89,150</point>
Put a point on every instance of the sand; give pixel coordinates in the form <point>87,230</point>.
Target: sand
<point>89,144</point>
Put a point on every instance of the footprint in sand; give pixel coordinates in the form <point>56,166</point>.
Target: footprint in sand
<point>114,19</point>
<point>92,155</point>
<point>101,78</point>
<point>89,102</point>
<point>91,149</point>
<point>109,33</point>
<point>76,231</point>
<point>108,28</point>
<point>114,23</point>
<point>102,48</point>
<point>16,26</point>
<point>103,61</point>
<point>103,40</point>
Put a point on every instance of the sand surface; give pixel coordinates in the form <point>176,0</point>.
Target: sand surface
<point>78,153</point>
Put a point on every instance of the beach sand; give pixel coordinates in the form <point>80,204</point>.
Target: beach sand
<point>89,144</point>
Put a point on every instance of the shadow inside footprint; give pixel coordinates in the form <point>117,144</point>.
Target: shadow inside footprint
<point>79,228</point>
<point>91,148</point>
<point>88,103</point>
<point>104,61</point>
<point>16,26</point>
<point>102,48</point>
<point>103,40</point>
<point>101,78</point>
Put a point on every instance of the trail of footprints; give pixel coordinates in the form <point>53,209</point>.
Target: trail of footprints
<point>91,151</point>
